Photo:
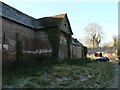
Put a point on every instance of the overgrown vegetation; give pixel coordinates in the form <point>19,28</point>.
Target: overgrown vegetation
<point>19,48</point>
<point>68,46</point>
<point>81,73</point>
<point>84,51</point>
<point>53,36</point>
<point>117,53</point>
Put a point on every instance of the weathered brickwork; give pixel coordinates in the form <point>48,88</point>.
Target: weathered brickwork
<point>10,30</point>
<point>64,26</point>
<point>45,36</point>
<point>76,51</point>
<point>63,46</point>
<point>41,40</point>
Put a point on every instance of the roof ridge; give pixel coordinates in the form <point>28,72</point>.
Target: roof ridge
<point>59,15</point>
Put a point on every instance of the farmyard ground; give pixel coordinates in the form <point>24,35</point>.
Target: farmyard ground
<point>63,75</point>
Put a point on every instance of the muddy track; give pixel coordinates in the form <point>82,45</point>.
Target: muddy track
<point>117,74</point>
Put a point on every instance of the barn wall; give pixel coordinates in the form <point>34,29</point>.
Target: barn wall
<point>76,52</point>
<point>42,43</point>
<point>34,42</point>
<point>63,46</point>
<point>9,31</point>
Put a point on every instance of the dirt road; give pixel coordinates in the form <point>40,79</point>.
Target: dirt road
<point>115,83</point>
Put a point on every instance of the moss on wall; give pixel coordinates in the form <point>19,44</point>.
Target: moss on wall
<point>84,51</point>
<point>19,48</point>
<point>54,38</point>
<point>68,46</point>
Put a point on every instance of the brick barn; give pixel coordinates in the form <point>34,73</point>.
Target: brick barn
<point>109,52</point>
<point>51,36</point>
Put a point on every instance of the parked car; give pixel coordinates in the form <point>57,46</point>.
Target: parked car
<point>105,59</point>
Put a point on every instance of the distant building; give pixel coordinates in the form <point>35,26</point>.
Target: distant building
<point>106,51</point>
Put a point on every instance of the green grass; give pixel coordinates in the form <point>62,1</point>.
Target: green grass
<point>81,73</point>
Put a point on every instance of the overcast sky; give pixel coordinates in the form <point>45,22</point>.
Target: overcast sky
<point>80,14</point>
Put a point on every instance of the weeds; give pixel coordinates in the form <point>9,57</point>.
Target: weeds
<point>82,73</point>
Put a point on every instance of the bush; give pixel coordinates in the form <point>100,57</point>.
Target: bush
<point>80,61</point>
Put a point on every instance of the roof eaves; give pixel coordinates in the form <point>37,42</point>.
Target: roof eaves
<point>69,24</point>
<point>16,15</point>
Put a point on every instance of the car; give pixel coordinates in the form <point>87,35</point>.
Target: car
<point>105,59</point>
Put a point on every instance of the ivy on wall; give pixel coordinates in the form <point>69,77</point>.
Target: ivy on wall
<point>54,38</point>
<point>68,46</point>
<point>19,48</point>
<point>84,51</point>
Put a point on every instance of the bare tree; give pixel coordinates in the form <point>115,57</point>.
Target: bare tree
<point>94,34</point>
<point>115,40</point>
<point>116,44</point>
<point>108,44</point>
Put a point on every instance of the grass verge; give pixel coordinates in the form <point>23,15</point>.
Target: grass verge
<point>80,73</point>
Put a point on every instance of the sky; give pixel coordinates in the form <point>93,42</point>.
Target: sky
<point>80,14</point>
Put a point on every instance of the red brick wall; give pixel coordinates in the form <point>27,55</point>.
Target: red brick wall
<point>10,29</point>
